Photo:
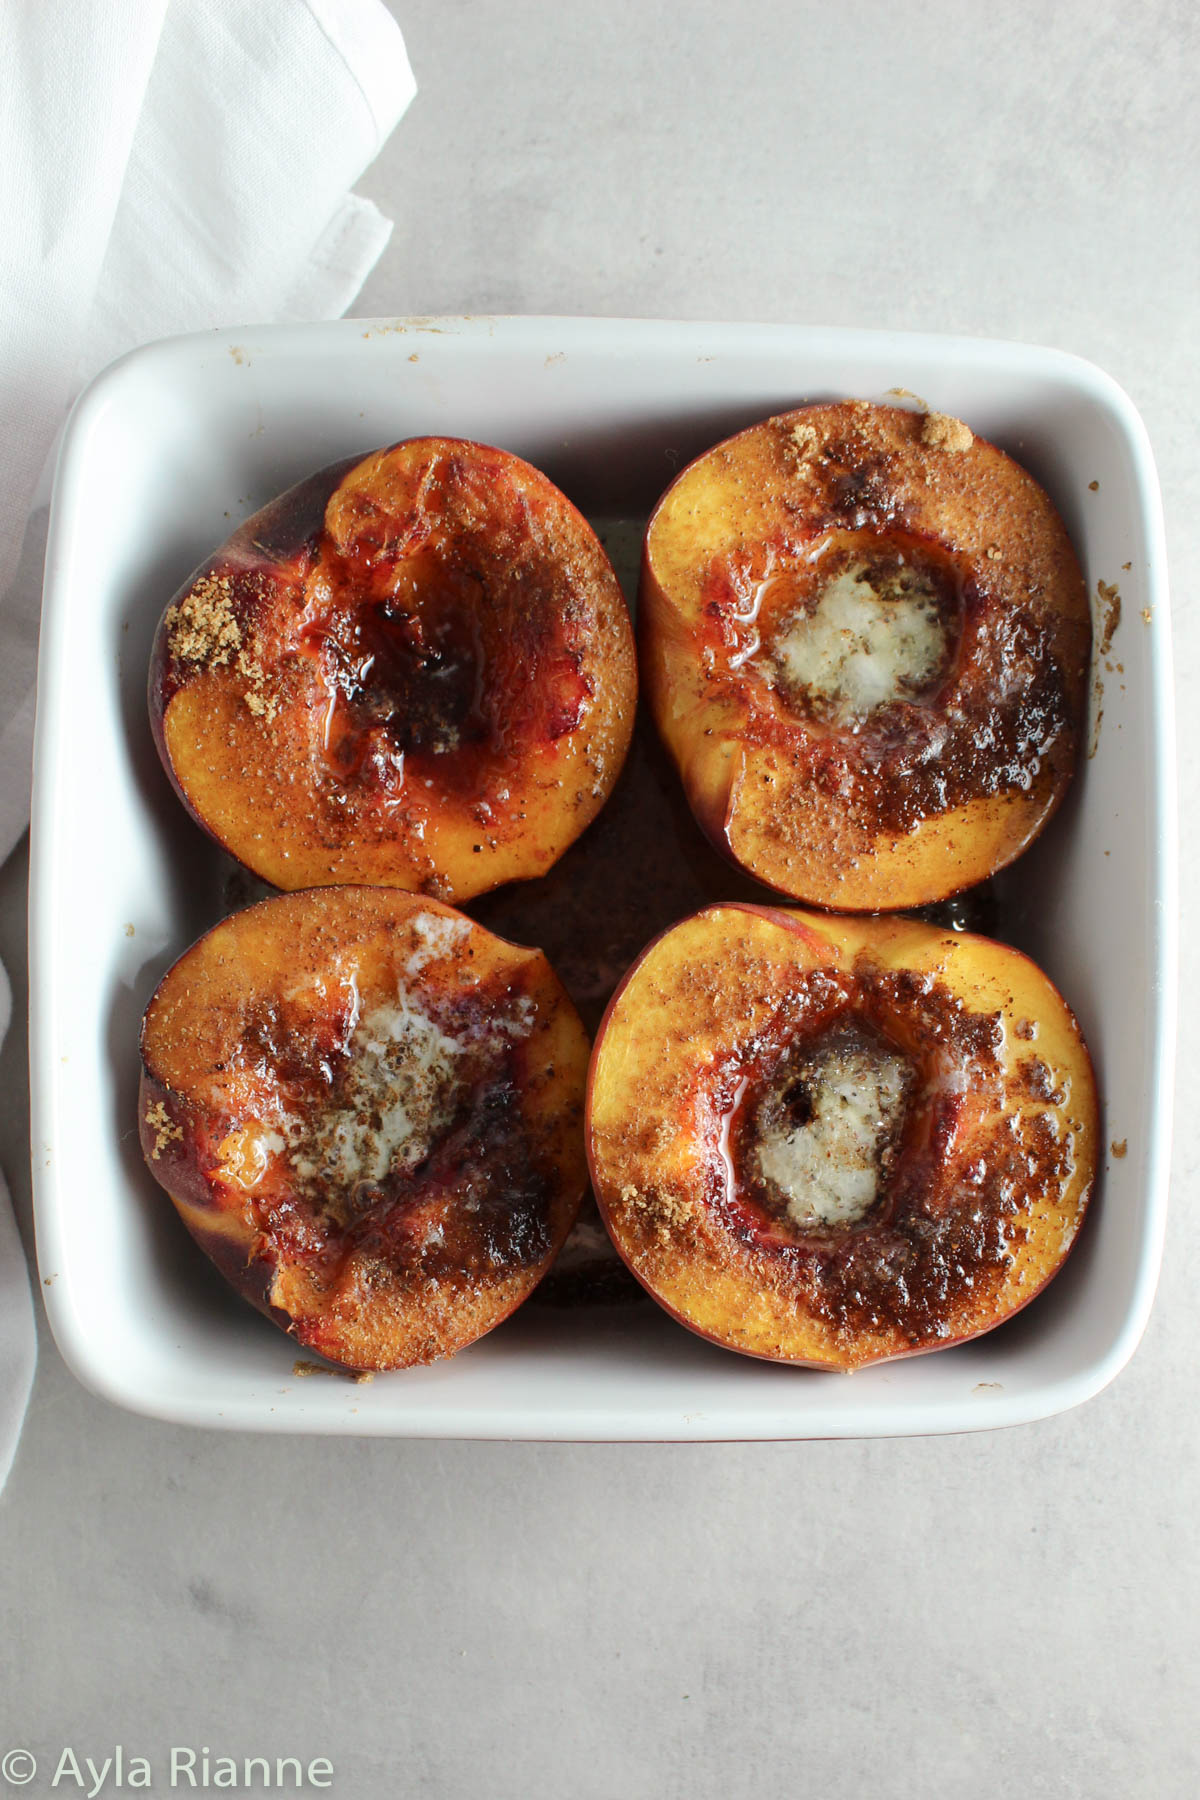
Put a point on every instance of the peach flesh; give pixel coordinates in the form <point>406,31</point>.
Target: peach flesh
<point>415,670</point>
<point>818,778</point>
<point>366,1109</point>
<point>982,1169</point>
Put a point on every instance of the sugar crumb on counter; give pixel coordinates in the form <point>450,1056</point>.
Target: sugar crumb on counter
<point>1119,1147</point>
<point>941,432</point>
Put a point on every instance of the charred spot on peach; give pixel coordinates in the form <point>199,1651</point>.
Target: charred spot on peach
<point>414,670</point>
<point>367,1109</point>
<point>828,1141</point>
<point>865,642</point>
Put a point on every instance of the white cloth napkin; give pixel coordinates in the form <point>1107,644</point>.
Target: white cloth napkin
<point>165,165</point>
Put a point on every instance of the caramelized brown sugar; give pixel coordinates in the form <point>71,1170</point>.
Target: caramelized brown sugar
<point>415,670</point>
<point>833,1141</point>
<point>865,640</point>
<point>367,1109</point>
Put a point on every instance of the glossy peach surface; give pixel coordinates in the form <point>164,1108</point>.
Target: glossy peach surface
<point>366,1109</point>
<point>918,794</point>
<point>413,670</point>
<point>985,1180</point>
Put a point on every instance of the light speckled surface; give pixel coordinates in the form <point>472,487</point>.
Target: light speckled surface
<point>1000,1614</point>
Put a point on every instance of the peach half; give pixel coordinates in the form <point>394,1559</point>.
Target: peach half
<point>413,670</point>
<point>367,1109</point>
<point>834,1141</point>
<point>865,641</point>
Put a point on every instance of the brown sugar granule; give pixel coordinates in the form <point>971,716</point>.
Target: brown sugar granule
<point>1120,1146</point>
<point>941,432</point>
<point>1094,487</point>
<point>805,440</point>
<point>202,628</point>
<point>663,1214</point>
<point>258,697</point>
<point>160,1123</point>
<point>260,705</point>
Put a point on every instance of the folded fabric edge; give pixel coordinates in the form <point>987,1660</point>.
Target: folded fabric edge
<point>370,43</point>
<point>339,262</point>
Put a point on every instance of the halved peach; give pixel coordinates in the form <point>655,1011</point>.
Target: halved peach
<point>414,670</point>
<point>865,642</point>
<point>367,1110</point>
<point>833,1141</point>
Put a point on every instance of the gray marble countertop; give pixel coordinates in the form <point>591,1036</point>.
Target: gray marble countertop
<point>1005,1613</point>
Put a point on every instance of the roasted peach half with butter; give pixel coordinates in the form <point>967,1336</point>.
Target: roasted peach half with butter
<point>865,642</point>
<point>833,1141</point>
<point>368,1110</point>
<point>413,670</point>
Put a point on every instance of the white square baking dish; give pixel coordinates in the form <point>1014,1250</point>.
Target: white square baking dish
<point>163,455</point>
